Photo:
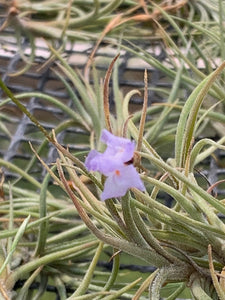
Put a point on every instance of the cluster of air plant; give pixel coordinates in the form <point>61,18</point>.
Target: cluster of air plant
<point>116,192</point>
<point>63,21</point>
<point>117,187</point>
<point>184,242</point>
<point>84,20</point>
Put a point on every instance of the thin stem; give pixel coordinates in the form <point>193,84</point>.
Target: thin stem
<point>144,113</point>
<point>106,94</point>
<point>24,110</point>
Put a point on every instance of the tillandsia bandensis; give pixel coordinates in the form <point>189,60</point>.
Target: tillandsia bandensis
<point>176,240</point>
<point>184,242</point>
<point>181,241</point>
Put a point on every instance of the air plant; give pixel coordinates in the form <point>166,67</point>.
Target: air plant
<point>168,238</point>
<point>81,19</point>
<point>185,241</point>
<point>71,21</point>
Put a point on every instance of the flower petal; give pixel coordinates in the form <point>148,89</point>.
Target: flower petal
<point>111,163</point>
<point>92,160</point>
<point>120,181</point>
<point>102,163</point>
<point>120,148</point>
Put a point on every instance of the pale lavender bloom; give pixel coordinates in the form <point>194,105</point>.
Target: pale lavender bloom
<point>112,163</point>
<point>119,181</point>
<point>119,148</point>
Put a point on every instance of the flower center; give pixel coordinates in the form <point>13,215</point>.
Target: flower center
<point>117,172</point>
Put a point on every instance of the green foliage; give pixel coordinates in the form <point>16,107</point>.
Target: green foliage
<point>48,238</point>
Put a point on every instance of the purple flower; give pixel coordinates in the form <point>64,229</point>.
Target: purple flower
<point>112,163</point>
<point>120,148</point>
<point>119,181</point>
